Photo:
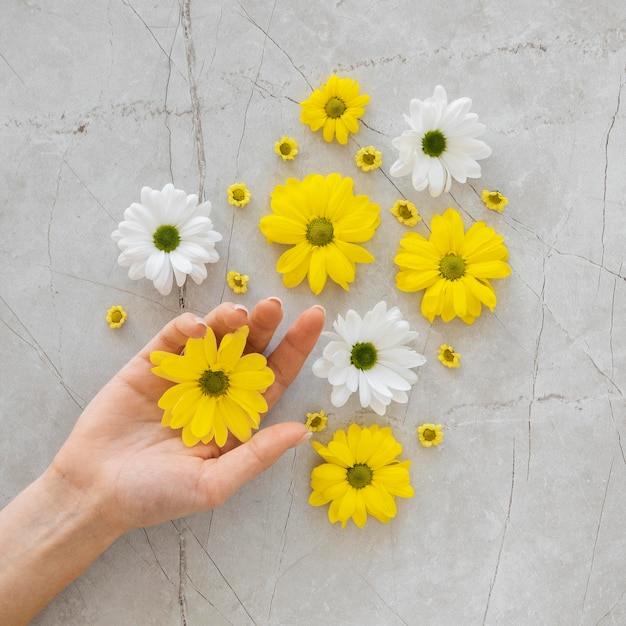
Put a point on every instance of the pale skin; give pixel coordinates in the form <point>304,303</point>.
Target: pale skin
<point>120,469</point>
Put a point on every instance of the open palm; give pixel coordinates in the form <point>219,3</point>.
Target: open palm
<point>141,473</point>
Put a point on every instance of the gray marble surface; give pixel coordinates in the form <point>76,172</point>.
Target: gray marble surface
<point>518,516</point>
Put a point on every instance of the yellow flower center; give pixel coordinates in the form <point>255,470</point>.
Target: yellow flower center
<point>116,317</point>
<point>238,280</point>
<point>448,355</point>
<point>433,143</point>
<point>359,476</point>
<point>335,107</point>
<point>166,238</point>
<point>495,198</point>
<point>452,267</point>
<point>404,211</point>
<point>214,383</point>
<point>320,231</point>
<point>364,356</point>
<point>285,148</point>
<point>369,158</point>
<point>429,434</point>
<point>239,194</point>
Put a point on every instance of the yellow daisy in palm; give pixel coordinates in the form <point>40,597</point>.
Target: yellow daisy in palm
<point>218,390</point>
<point>323,220</point>
<point>453,266</point>
<point>335,108</point>
<point>361,475</point>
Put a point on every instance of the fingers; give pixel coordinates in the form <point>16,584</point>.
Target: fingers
<point>291,353</point>
<point>173,336</point>
<point>226,318</point>
<point>223,476</point>
<point>264,320</point>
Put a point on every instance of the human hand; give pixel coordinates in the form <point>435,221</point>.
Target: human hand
<point>120,460</point>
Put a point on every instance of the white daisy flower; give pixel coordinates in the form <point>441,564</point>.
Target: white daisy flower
<point>441,143</point>
<point>168,235</point>
<point>370,355</point>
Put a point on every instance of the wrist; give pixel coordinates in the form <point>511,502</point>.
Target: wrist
<point>49,534</point>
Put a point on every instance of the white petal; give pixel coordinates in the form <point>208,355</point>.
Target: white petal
<point>340,395</point>
<point>322,367</point>
<point>365,393</point>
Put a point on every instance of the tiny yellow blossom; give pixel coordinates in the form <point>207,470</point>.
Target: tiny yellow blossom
<point>448,356</point>
<point>316,421</point>
<point>116,316</point>
<point>494,200</point>
<point>430,434</point>
<point>237,282</point>
<point>238,194</point>
<point>406,213</point>
<point>368,158</point>
<point>286,148</point>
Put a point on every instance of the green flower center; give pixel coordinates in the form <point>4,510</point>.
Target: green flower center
<point>239,195</point>
<point>335,107</point>
<point>363,356</point>
<point>320,231</point>
<point>452,267</point>
<point>166,238</point>
<point>214,383</point>
<point>116,317</point>
<point>359,476</point>
<point>316,421</point>
<point>285,148</point>
<point>429,434</point>
<point>404,212</point>
<point>369,158</point>
<point>433,143</point>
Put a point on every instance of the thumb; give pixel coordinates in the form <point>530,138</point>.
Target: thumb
<point>222,478</point>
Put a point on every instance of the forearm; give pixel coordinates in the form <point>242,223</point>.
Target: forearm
<point>49,534</point>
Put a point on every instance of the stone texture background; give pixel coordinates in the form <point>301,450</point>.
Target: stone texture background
<point>518,517</point>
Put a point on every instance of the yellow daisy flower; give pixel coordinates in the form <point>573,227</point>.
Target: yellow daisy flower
<point>316,422</point>
<point>494,200</point>
<point>218,390</point>
<point>430,434</point>
<point>237,282</point>
<point>453,266</point>
<point>335,108</point>
<point>406,213</point>
<point>322,219</point>
<point>368,159</point>
<point>238,194</point>
<point>116,316</point>
<point>448,356</point>
<point>361,475</point>
<point>286,148</point>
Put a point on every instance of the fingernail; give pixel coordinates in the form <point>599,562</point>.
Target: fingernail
<point>275,299</point>
<point>241,307</point>
<point>320,307</point>
<point>200,322</point>
<point>304,438</point>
